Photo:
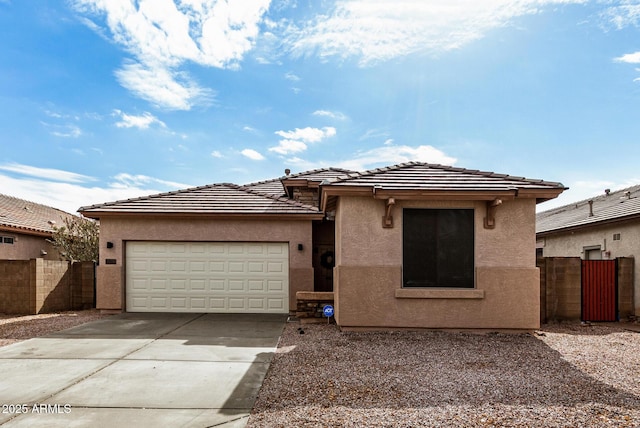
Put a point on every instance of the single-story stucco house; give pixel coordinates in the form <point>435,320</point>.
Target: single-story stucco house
<point>414,245</point>
<point>26,228</point>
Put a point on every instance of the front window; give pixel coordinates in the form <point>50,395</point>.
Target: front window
<point>438,248</point>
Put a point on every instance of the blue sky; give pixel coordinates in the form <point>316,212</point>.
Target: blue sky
<point>110,99</point>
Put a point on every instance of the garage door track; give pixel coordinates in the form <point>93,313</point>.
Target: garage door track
<point>143,370</point>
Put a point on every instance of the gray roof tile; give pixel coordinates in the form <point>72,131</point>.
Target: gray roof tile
<point>274,186</point>
<point>224,198</point>
<point>21,214</point>
<point>268,187</point>
<point>615,206</point>
<point>433,177</point>
<point>320,174</point>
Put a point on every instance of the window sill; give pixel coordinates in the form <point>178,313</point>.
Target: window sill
<point>439,293</point>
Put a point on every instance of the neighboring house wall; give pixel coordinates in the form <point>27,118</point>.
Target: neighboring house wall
<point>573,244</point>
<point>27,247</point>
<point>119,229</point>
<point>40,286</point>
<point>368,273</point>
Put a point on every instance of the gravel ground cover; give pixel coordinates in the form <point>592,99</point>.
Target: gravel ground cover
<point>15,328</point>
<point>564,375</point>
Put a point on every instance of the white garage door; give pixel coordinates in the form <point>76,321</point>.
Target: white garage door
<point>207,277</point>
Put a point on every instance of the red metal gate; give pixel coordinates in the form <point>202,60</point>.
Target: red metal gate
<point>599,290</point>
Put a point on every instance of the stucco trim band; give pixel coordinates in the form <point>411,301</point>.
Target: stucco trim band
<point>422,293</point>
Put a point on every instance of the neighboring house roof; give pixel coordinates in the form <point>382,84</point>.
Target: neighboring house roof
<point>23,216</point>
<point>615,206</point>
<point>418,178</point>
<point>214,199</point>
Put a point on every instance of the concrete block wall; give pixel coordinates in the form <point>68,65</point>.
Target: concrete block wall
<point>626,287</point>
<point>40,286</point>
<point>53,284</point>
<point>561,288</point>
<point>16,291</point>
<point>82,285</point>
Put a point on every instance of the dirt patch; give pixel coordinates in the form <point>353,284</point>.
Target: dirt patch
<point>564,375</point>
<point>16,328</point>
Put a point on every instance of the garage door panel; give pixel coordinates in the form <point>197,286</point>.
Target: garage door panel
<point>207,277</point>
<point>178,284</point>
<point>276,286</point>
<point>275,267</point>
<point>256,285</point>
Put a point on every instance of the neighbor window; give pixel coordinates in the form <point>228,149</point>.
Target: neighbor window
<point>7,240</point>
<point>438,248</point>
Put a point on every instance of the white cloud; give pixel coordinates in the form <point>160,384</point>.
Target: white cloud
<point>308,134</point>
<point>162,35</point>
<point>252,154</point>
<point>143,121</point>
<point>68,130</point>
<point>162,86</point>
<point>64,189</point>
<point>46,173</point>
<point>633,58</point>
<point>216,154</point>
<point>623,15</point>
<point>374,31</point>
<point>385,155</point>
<point>390,155</point>
<point>374,133</point>
<point>126,181</point>
<point>285,147</point>
<point>330,114</point>
<point>292,77</point>
<point>296,141</point>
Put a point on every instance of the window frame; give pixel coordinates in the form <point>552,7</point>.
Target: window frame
<point>468,282</point>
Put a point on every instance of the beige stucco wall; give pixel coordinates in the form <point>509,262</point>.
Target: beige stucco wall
<point>118,230</point>
<point>571,244</point>
<point>368,272</point>
<point>26,247</point>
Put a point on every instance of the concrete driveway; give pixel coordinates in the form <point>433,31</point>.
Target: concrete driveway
<point>143,370</point>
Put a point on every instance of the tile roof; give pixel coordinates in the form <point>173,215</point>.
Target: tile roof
<point>28,216</point>
<point>320,174</point>
<point>614,206</point>
<point>271,187</point>
<point>433,177</point>
<point>224,198</point>
<point>274,186</point>
<point>268,197</point>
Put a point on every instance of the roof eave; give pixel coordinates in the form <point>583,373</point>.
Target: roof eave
<point>26,231</point>
<point>379,192</point>
<point>218,216</point>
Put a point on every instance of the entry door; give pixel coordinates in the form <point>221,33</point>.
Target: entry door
<point>599,290</point>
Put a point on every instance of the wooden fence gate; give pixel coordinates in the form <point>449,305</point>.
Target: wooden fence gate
<point>599,290</point>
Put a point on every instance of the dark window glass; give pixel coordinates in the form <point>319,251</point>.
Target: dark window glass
<point>438,248</point>
<point>8,240</point>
